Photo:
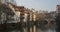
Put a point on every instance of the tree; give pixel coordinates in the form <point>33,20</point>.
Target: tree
<point>7,11</point>
<point>58,23</point>
<point>58,19</point>
<point>41,16</point>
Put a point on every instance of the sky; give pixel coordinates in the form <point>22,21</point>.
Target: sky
<point>47,5</point>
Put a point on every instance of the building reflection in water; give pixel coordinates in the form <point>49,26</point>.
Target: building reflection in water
<point>34,30</point>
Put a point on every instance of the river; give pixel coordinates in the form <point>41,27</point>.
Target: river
<point>36,30</point>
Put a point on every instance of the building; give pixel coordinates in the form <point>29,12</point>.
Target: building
<point>58,7</point>
<point>23,10</point>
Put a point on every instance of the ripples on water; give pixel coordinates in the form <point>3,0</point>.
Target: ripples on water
<point>38,30</point>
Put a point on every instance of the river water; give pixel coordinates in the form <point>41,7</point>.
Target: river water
<point>37,30</point>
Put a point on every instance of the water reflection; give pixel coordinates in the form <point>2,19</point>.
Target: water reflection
<point>36,30</point>
<point>28,28</point>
